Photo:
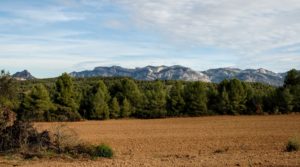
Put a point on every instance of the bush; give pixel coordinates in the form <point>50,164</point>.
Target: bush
<point>293,145</point>
<point>24,138</point>
<point>21,137</point>
<point>103,150</point>
<point>65,140</point>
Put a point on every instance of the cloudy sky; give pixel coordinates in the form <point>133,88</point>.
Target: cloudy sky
<point>49,37</point>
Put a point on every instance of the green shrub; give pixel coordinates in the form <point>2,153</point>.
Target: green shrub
<point>90,151</point>
<point>293,145</point>
<point>103,150</point>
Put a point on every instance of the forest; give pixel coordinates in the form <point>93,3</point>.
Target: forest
<point>74,99</point>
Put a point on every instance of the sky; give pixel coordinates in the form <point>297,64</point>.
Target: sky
<point>49,37</point>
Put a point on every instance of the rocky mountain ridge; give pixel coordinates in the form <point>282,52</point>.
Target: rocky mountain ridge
<point>184,73</point>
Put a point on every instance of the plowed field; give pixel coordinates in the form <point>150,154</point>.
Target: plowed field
<point>203,141</point>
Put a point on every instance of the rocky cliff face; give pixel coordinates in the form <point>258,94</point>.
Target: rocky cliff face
<point>184,73</point>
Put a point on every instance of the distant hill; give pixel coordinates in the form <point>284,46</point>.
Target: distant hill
<point>23,75</point>
<point>184,73</point>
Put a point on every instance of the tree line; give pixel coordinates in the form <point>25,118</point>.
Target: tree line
<point>72,99</point>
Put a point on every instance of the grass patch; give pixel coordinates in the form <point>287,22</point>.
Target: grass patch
<point>90,151</point>
<point>103,150</point>
<point>292,145</point>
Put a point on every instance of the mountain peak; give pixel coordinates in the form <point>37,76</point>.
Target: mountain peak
<point>23,75</point>
<point>264,71</point>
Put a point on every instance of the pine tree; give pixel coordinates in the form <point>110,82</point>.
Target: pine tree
<point>126,109</point>
<point>7,90</point>
<point>96,102</point>
<point>223,102</point>
<point>100,109</point>
<point>175,101</point>
<point>155,101</point>
<point>233,97</point>
<point>212,96</point>
<point>132,93</point>
<point>237,95</point>
<point>65,94</point>
<point>292,78</point>
<point>284,100</point>
<point>195,99</point>
<point>292,83</point>
<point>115,108</point>
<point>295,93</point>
<point>36,104</point>
<point>65,99</point>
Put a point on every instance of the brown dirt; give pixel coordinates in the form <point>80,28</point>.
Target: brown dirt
<point>204,141</point>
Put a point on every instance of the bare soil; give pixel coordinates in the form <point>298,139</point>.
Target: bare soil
<point>203,141</point>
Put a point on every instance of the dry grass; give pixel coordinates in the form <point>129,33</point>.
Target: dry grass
<point>248,141</point>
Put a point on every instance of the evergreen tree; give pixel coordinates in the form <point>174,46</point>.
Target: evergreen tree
<point>64,98</point>
<point>64,92</point>
<point>175,101</point>
<point>233,96</point>
<point>132,93</point>
<point>195,99</point>
<point>36,104</point>
<point>115,108</point>
<point>127,88</point>
<point>7,90</point>
<point>292,83</point>
<point>126,109</point>
<point>237,96</point>
<point>155,101</point>
<point>292,78</point>
<point>284,100</point>
<point>295,93</point>
<point>253,103</point>
<point>223,102</point>
<point>100,108</point>
<point>212,96</point>
<point>96,102</point>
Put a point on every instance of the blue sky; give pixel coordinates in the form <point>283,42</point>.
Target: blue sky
<point>49,37</point>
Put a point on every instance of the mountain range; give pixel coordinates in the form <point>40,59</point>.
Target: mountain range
<point>176,73</point>
<point>184,73</point>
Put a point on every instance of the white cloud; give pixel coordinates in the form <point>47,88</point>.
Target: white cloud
<point>49,15</point>
<point>56,52</point>
<point>248,27</point>
<point>34,15</point>
<point>252,34</point>
<point>277,62</point>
